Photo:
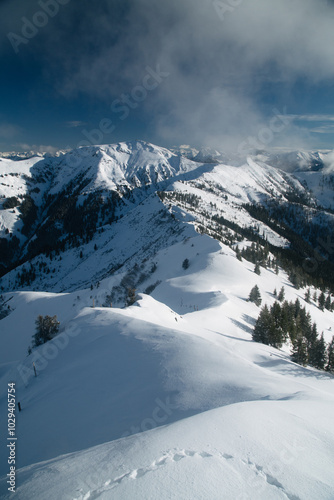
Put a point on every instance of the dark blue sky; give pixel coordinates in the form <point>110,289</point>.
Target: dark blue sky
<point>200,72</point>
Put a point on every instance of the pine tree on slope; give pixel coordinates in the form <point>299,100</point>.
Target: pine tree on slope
<point>262,325</point>
<point>321,301</point>
<point>299,350</point>
<point>255,296</point>
<point>257,269</point>
<point>320,353</point>
<point>330,356</point>
<point>281,294</point>
<point>276,334</point>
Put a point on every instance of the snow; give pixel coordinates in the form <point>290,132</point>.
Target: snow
<point>318,183</point>
<point>218,454</point>
<point>169,398</point>
<point>236,416</point>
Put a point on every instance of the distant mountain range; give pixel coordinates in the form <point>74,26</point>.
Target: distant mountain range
<point>82,203</point>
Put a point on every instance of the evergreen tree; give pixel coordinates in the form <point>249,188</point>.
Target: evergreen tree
<point>295,279</point>
<point>315,297</point>
<point>131,299</point>
<point>275,293</point>
<point>287,319</point>
<point>262,326</point>
<point>328,303</point>
<point>299,350</point>
<point>276,334</point>
<point>257,269</point>
<point>238,254</point>
<point>321,301</point>
<point>255,296</point>
<point>305,323</point>
<point>281,294</point>
<point>185,264</point>
<point>330,356</point>
<point>312,341</point>
<point>320,353</point>
<point>297,308</point>
<point>307,296</point>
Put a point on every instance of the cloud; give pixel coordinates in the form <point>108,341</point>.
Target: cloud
<point>329,163</point>
<point>313,118</point>
<point>323,124</point>
<point>36,148</point>
<point>324,129</point>
<point>190,38</point>
<point>218,62</point>
<point>217,67</point>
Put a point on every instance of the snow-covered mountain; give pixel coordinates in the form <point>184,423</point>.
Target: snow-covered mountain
<point>63,206</point>
<point>290,161</point>
<point>153,387</point>
<point>26,155</point>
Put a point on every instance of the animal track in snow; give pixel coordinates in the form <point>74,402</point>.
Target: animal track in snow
<point>176,455</point>
<point>169,457</point>
<point>270,479</point>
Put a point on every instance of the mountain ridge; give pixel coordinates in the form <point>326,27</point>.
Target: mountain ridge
<point>98,185</point>
<point>147,260</point>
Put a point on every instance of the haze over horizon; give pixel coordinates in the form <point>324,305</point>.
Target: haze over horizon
<point>228,75</point>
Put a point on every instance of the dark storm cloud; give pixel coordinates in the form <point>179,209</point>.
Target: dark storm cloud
<point>218,55</point>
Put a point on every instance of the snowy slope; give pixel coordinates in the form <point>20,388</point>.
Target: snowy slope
<point>14,178</point>
<point>170,397</point>
<point>220,454</point>
<point>321,185</point>
<point>135,237</point>
<point>184,351</point>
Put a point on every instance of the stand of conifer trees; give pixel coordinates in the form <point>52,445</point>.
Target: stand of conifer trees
<point>291,321</point>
